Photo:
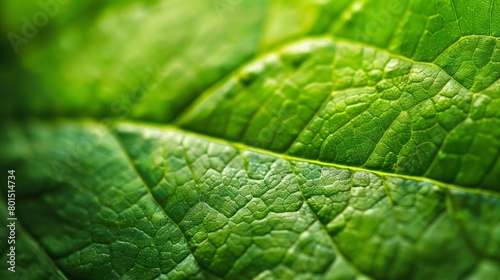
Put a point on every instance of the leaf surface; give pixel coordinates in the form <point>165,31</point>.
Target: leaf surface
<point>357,141</point>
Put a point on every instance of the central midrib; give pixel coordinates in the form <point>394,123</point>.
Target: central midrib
<point>244,147</point>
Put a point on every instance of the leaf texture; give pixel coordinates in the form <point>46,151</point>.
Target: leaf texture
<point>256,140</point>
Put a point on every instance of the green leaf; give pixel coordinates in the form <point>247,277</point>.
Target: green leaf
<point>339,102</point>
<point>255,140</point>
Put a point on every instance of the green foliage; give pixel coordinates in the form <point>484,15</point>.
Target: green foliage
<point>255,140</point>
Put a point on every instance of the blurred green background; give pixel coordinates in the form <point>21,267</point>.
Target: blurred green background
<point>97,58</point>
